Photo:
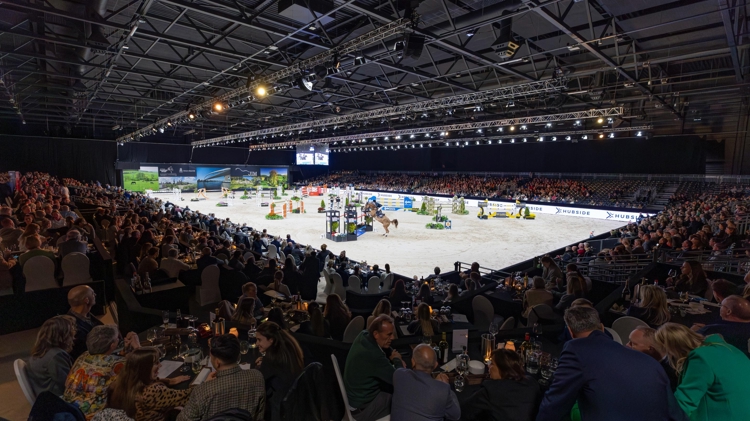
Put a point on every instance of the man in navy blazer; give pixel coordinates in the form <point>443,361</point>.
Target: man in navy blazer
<point>609,381</point>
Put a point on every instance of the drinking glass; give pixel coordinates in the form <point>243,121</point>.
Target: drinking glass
<point>244,347</point>
<point>151,335</point>
<point>494,328</point>
<point>426,340</point>
<point>251,337</point>
<point>544,364</point>
<point>532,362</point>
<point>672,273</point>
<point>165,318</point>
<point>458,383</point>
<point>191,321</point>
<point>183,353</point>
<point>197,363</point>
<point>179,316</point>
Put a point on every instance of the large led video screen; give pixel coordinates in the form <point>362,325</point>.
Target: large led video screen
<point>305,155</point>
<point>188,178</point>
<point>321,154</point>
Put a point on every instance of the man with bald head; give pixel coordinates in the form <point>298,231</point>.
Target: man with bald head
<point>419,397</point>
<point>642,340</point>
<point>734,325</point>
<point>81,299</point>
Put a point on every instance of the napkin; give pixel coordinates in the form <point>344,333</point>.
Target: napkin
<point>450,366</point>
<point>201,377</point>
<point>167,368</point>
<point>460,318</point>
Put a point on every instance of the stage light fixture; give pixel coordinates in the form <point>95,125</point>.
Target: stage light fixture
<point>524,140</point>
<point>578,122</point>
<point>523,127</point>
<point>261,91</point>
<point>600,120</point>
<point>500,141</point>
<point>305,83</point>
<point>601,135</point>
<point>512,128</point>
<point>567,137</point>
<point>218,107</point>
<point>611,136</point>
<point>169,123</point>
<point>161,129</point>
<point>639,134</point>
<point>585,137</point>
<point>513,141</point>
<point>541,138</point>
<point>554,138</point>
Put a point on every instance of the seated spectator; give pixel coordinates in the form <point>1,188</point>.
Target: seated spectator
<point>250,290</point>
<point>425,295</point>
<point>281,363</point>
<point>713,374</point>
<point>243,314</point>
<point>471,286</point>
<point>32,246</point>
<point>100,364</point>
<point>721,289</point>
<point>72,244</point>
<point>9,234</point>
<point>7,262</point>
<point>140,394</point>
<point>172,265</point>
<point>735,323</point>
<point>368,372</point>
<point>398,294</point>
<point>81,300</point>
<point>642,339</point>
<point>419,397</point>
<point>467,273</point>
<point>509,395</point>
<point>32,230</point>
<point>278,284</point>
<point>237,262</point>
<point>605,378</point>
<point>653,307</point>
<point>276,315</point>
<point>383,307</point>
<point>537,295</point>
<point>551,273</point>
<point>338,316</point>
<point>251,270</point>
<point>206,259</point>
<point>425,325</point>
<point>692,279</point>
<point>149,265</point>
<point>452,293</point>
<point>317,325</point>
<point>227,387</point>
<point>573,291</point>
<point>50,361</point>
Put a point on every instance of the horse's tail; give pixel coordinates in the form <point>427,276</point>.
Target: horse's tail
<point>395,223</point>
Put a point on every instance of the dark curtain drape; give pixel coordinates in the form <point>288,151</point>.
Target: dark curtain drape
<point>82,159</point>
<point>183,154</point>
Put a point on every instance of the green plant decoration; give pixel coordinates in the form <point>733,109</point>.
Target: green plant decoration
<point>526,212</point>
<point>274,217</point>
<point>322,203</point>
<point>434,226</point>
<point>334,226</point>
<point>347,202</point>
<point>351,227</point>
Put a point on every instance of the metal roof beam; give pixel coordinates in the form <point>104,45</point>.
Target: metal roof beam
<point>726,17</point>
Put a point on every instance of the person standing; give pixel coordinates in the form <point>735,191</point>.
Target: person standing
<point>419,397</point>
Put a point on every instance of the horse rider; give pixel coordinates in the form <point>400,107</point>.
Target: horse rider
<point>379,213</point>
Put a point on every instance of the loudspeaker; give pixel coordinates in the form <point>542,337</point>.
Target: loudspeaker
<point>413,45</point>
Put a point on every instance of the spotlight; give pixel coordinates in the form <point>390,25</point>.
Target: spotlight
<point>639,134</point>
<point>541,138</point>
<point>578,122</point>
<point>585,137</point>
<point>600,120</point>
<point>513,141</point>
<point>554,138</point>
<point>523,127</point>
<point>305,83</point>
<point>500,141</point>
<point>524,140</point>
<point>191,115</point>
<point>470,33</point>
<point>512,128</point>
<point>218,107</point>
<point>601,135</point>
<point>260,91</point>
<point>611,136</point>
<point>161,129</point>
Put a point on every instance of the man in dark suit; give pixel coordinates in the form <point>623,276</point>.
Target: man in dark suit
<point>609,381</point>
<point>206,259</point>
<point>734,325</point>
<point>73,244</point>
<point>642,340</point>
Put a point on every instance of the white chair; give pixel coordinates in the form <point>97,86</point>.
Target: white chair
<point>282,257</point>
<point>19,366</point>
<point>338,286</point>
<point>347,409</point>
<point>508,324</point>
<point>625,325</point>
<point>540,312</point>
<point>329,283</point>
<point>483,312</point>
<point>373,285</point>
<point>75,267</point>
<point>369,320</point>
<point>355,284</point>
<point>353,328</point>
<point>387,282</point>
<point>208,292</point>
<point>615,335</point>
<point>39,272</point>
<point>272,253</point>
<point>247,255</point>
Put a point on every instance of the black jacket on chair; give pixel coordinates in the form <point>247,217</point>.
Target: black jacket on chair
<point>306,399</point>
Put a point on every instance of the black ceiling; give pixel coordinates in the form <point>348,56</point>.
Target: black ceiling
<point>88,67</point>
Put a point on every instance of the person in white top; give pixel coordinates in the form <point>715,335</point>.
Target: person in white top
<point>172,265</point>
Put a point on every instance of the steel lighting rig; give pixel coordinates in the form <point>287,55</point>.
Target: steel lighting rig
<point>351,46</point>
<point>526,89</point>
<point>437,140</point>
<point>475,125</point>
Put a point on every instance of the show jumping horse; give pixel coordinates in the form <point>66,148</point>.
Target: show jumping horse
<point>373,211</point>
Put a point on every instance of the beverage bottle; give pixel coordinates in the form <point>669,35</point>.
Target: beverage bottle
<point>443,346</point>
<point>526,345</point>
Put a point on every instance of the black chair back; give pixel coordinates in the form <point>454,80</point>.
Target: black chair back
<point>306,400</point>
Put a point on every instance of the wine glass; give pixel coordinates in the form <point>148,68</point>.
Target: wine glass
<point>151,335</point>
<point>494,328</point>
<point>165,318</point>
<point>251,336</point>
<point>197,364</point>
<point>532,361</point>
<point>544,364</point>
<point>459,383</point>
<point>462,365</point>
<point>244,347</point>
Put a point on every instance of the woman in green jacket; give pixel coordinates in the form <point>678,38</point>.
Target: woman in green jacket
<point>714,375</point>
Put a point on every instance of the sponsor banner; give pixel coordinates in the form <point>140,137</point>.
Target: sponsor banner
<point>551,209</point>
<point>176,170</point>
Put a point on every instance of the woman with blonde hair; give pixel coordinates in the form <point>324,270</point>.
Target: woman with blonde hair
<point>653,308</point>
<point>383,307</point>
<point>50,360</point>
<point>713,374</point>
<point>425,325</point>
<point>140,393</point>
